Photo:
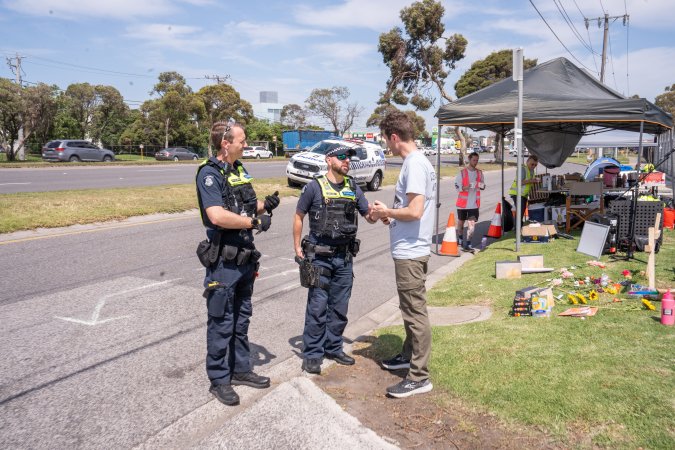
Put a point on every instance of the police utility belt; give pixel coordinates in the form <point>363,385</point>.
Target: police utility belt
<point>330,250</point>
<point>208,253</point>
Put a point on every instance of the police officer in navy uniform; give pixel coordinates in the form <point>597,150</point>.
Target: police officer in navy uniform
<point>332,202</point>
<point>230,212</point>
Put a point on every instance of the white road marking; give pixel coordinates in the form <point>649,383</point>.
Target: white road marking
<point>7,184</point>
<point>279,274</point>
<point>101,303</point>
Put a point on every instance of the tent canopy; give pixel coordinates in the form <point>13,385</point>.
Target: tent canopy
<point>559,102</point>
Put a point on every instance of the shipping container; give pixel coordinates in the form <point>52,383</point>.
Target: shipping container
<point>297,140</point>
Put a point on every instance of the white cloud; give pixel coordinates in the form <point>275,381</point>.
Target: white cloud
<point>345,51</point>
<point>373,14</point>
<point>71,9</point>
<point>269,33</point>
<point>178,37</point>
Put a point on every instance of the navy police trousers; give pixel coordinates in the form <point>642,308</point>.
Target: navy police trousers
<point>229,308</point>
<point>326,314</point>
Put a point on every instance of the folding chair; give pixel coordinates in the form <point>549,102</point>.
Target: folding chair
<point>578,213</point>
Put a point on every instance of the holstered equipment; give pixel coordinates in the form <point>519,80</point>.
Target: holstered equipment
<point>208,251</point>
<point>310,275</point>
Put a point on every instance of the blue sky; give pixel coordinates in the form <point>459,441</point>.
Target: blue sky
<point>295,46</point>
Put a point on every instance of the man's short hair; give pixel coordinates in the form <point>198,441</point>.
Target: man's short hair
<point>398,122</point>
<point>223,130</point>
<point>472,154</point>
<point>533,158</point>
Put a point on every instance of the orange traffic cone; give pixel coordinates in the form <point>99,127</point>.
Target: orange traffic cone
<point>449,245</point>
<point>526,217</point>
<point>495,230</point>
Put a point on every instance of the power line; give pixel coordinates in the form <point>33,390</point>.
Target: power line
<point>556,36</point>
<point>569,23</point>
<point>588,33</point>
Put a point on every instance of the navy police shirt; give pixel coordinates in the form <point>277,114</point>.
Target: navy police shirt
<point>311,200</point>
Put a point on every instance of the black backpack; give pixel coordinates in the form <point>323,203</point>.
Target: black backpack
<point>507,216</point>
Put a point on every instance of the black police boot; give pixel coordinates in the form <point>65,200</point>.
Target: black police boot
<point>342,358</point>
<point>250,379</point>
<point>225,394</point>
<point>312,365</point>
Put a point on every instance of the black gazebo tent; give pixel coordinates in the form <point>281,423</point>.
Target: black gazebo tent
<point>560,101</point>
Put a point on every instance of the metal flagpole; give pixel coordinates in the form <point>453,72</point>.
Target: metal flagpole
<point>438,180</point>
<point>518,134</point>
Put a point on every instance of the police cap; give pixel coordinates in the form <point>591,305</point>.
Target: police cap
<point>341,150</point>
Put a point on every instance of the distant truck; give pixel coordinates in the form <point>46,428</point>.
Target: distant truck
<point>297,140</point>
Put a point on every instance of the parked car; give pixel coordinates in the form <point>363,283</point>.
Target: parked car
<point>75,151</point>
<point>367,167</point>
<point>257,152</point>
<point>175,154</point>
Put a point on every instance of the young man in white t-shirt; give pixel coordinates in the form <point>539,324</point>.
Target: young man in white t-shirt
<point>410,221</point>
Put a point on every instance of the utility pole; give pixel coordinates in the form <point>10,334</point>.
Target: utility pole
<point>218,78</point>
<point>17,147</point>
<point>605,20</point>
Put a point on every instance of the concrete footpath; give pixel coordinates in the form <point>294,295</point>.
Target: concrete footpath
<point>294,413</point>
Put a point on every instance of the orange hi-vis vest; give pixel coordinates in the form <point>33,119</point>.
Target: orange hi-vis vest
<point>463,196</point>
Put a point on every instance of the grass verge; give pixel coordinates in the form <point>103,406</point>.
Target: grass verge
<point>604,381</point>
<point>30,210</point>
<point>27,211</point>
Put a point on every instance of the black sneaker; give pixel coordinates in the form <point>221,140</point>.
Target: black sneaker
<point>406,388</point>
<point>341,358</point>
<point>225,394</point>
<point>312,365</point>
<point>395,363</point>
<point>250,379</point>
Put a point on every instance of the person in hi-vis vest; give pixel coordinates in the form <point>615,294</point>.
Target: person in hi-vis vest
<point>528,179</point>
<point>468,182</point>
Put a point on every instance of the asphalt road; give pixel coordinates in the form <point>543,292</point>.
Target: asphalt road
<point>63,176</point>
<point>102,341</point>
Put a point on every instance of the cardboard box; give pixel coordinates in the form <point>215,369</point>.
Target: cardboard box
<point>538,233</point>
<point>508,270</point>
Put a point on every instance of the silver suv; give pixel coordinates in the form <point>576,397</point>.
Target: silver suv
<point>75,151</point>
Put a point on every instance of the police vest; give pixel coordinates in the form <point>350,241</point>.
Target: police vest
<point>525,188</point>
<point>238,194</point>
<point>463,196</point>
<point>336,218</point>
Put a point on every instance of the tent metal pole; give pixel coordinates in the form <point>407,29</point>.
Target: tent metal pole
<point>636,193</point>
<point>438,180</point>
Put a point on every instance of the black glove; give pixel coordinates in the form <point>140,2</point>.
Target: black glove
<point>262,223</point>
<point>271,202</point>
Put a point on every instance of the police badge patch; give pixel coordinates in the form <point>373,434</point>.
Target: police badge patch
<point>208,180</point>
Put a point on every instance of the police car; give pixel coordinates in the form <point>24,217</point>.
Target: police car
<point>367,167</point>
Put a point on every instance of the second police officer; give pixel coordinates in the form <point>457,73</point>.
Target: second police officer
<point>230,211</point>
<point>332,202</point>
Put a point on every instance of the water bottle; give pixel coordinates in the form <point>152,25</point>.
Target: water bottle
<point>667,309</point>
<point>483,243</point>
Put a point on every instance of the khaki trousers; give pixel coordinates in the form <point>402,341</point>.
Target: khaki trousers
<point>411,275</point>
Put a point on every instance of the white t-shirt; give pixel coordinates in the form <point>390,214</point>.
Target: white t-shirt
<point>413,239</point>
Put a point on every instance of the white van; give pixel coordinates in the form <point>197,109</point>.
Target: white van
<point>367,167</point>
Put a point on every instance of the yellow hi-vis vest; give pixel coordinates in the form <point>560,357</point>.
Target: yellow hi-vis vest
<point>525,188</point>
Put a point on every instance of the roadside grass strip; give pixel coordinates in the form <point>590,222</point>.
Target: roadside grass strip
<point>31,210</point>
<point>606,380</point>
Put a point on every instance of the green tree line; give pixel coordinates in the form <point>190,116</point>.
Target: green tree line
<point>174,115</point>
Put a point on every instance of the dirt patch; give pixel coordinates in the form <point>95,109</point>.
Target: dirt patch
<point>428,421</point>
